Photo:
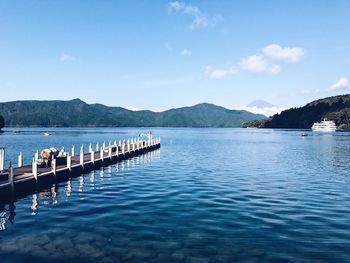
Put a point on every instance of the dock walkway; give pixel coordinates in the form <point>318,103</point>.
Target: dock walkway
<point>29,178</point>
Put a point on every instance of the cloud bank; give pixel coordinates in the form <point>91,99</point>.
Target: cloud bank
<point>269,59</point>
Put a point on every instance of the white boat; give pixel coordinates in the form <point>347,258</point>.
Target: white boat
<point>324,126</point>
<point>47,133</point>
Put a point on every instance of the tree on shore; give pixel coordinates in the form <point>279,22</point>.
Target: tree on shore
<point>2,122</point>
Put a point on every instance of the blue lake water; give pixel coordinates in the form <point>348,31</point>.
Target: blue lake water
<point>208,195</point>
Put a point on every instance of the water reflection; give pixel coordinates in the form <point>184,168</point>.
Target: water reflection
<point>81,183</point>
<point>7,210</point>
<point>34,205</point>
<point>50,196</point>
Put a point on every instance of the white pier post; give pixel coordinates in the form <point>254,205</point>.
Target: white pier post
<point>2,158</point>
<point>35,169</point>
<point>36,155</point>
<point>120,143</point>
<point>90,148</point>
<point>104,145</point>
<point>73,151</point>
<point>115,143</point>
<point>109,144</point>
<point>69,162</point>
<point>97,147</point>
<point>92,157</point>
<point>101,154</point>
<point>82,155</point>
<point>123,149</point>
<point>53,166</point>
<point>20,159</point>
<point>11,177</point>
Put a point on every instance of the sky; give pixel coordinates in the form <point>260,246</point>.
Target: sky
<point>159,55</point>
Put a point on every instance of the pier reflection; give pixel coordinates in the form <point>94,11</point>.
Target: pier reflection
<point>62,192</point>
<point>7,215</point>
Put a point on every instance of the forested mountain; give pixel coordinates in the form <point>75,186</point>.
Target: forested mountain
<point>335,108</point>
<point>76,113</point>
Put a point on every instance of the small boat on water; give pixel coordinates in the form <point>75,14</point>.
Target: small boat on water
<point>47,133</point>
<point>304,134</point>
<point>324,126</point>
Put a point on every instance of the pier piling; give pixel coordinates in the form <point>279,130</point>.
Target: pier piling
<point>35,169</point>
<point>69,162</point>
<point>20,159</point>
<point>2,158</point>
<point>11,178</point>
<point>54,166</point>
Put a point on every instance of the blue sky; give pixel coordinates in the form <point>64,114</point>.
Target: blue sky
<point>163,54</point>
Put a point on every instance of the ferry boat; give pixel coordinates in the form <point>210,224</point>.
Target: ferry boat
<point>324,126</point>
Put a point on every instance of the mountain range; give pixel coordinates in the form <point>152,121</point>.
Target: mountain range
<point>77,113</point>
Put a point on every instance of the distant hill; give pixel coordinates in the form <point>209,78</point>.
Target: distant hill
<point>335,108</point>
<point>76,113</point>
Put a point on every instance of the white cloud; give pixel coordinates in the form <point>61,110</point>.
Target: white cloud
<point>258,63</point>
<point>220,73</point>
<point>200,19</point>
<point>286,54</point>
<point>185,52</point>
<point>132,108</point>
<point>271,58</point>
<point>342,83</point>
<point>66,57</point>
<point>267,111</point>
<point>168,46</point>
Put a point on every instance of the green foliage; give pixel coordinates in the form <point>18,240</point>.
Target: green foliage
<point>335,108</point>
<point>2,122</point>
<point>254,124</point>
<point>76,113</point>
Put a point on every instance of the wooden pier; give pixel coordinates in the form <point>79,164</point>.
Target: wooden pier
<point>28,179</point>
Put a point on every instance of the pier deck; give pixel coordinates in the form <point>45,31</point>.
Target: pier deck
<point>26,179</point>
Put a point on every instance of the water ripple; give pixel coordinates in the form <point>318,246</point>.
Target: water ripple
<point>209,195</point>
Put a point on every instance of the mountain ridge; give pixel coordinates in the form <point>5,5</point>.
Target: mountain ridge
<point>77,113</point>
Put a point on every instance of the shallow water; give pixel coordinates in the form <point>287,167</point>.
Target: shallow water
<point>208,195</point>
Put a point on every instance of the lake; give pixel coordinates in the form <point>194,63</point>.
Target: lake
<point>208,195</point>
